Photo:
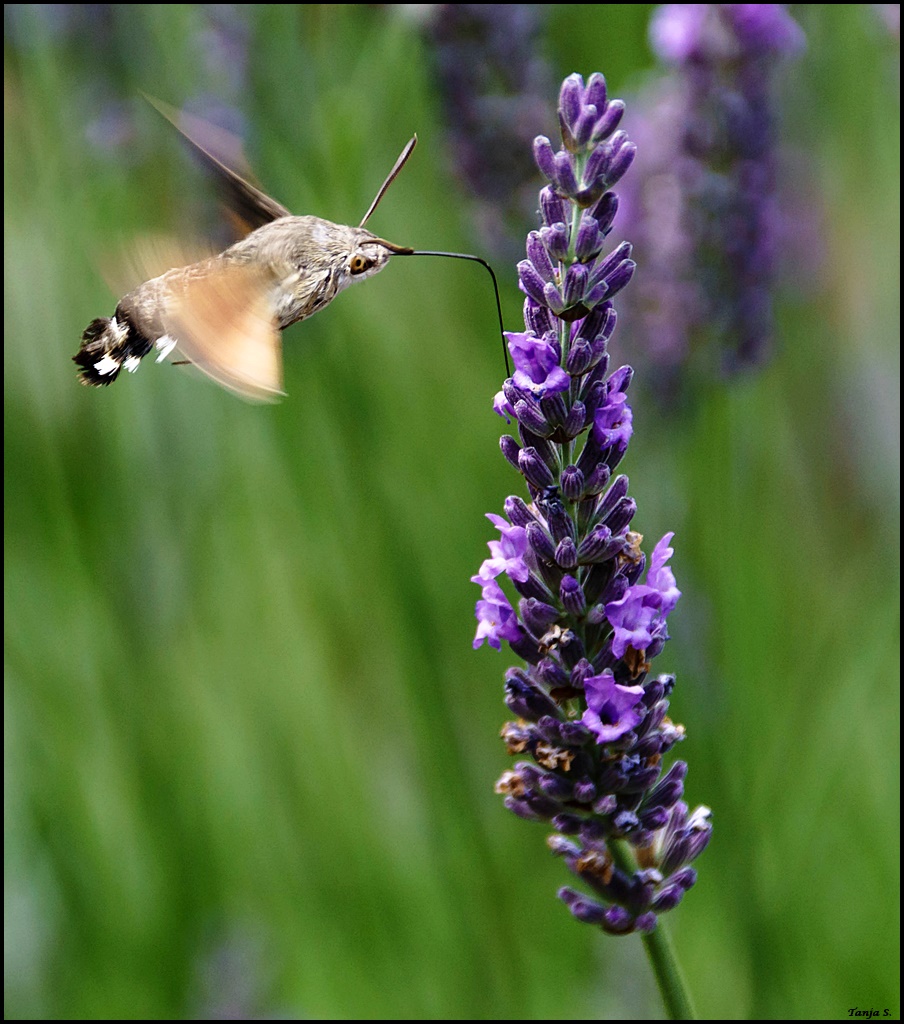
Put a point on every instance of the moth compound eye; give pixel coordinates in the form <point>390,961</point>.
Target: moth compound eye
<point>359,264</point>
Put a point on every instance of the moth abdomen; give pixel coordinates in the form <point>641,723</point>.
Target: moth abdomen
<point>110,345</point>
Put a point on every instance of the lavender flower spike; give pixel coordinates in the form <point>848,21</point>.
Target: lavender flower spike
<point>707,205</point>
<point>588,609</point>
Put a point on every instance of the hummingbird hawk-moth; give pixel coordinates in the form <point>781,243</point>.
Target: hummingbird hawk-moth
<point>224,312</point>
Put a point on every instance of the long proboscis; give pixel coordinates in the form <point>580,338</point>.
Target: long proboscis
<point>483,263</point>
<point>398,250</point>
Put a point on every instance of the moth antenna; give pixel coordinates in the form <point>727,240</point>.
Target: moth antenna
<point>475,259</point>
<point>399,164</point>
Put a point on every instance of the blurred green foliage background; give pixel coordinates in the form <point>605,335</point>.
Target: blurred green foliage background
<point>250,753</point>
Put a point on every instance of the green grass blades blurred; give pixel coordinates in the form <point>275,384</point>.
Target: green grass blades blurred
<point>250,751</point>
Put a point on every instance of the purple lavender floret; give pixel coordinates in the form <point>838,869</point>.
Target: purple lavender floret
<point>589,610</point>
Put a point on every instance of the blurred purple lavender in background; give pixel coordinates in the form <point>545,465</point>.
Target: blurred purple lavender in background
<point>703,207</point>
<point>494,91</point>
<point>592,611</point>
<point>217,44</point>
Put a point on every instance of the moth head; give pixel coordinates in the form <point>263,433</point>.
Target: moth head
<point>369,255</point>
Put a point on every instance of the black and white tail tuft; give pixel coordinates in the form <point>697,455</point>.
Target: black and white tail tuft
<point>109,345</point>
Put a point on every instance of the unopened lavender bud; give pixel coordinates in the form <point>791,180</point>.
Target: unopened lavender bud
<point>595,294</point>
<point>579,358</point>
<point>642,779</point>
<point>621,515</point>
<point>534,468</point>
<point>685,877</point>
<point>589,239</point>
<point>575,734</point>
<point>605,805</point>
<point>613,496</point>
<point>597,545</point>
<point>649,746</point>
<point>597,614</point>
<point>538,256</point>
<point>566,554</point>
<point>585,791</point>
<point>582,671</point>
<point>537,615</point>
<point>566,824</point>
<point>609,121</point>
<point>545,157</point>
<point>554,409</point>
<point>594,395</point>
<point>572,480</point>
<point>567,182</point>
<point>531,588</point>
<point>576,278</point>
<point>510,449</point>
<point>620,163</point>
<point>700,838</point>
<point>625,822</point>
<point>562,847</point>
<point>550,729</point>
<point>570,592</point>
<point>547,452</point>
<point>526,700</point>
<point>512,393</point>
<point>670,787</point>
<point>604,211</point>
<point>596,91</point>
<point>583,907</point>
<point>619,277</point>
<point>654,818</point>
<point>538,318</point>
<point>529,414</point>
<point>604,269</point>
<point>554,209</point>
<point>517,511</point>
<point>544,806</point>
<point>646,923</point>
<point>571,97</point>
<point>616,921</point>
<point>553,675</point>
<point>576,420</point>
<point>522,809</point>
<point>667,898</point>
<point>531,282</point>
<point>560,523</point>
<point>555,238</point>
<point>653,692</point>
<point>552,298</point>
<point>596,482</point>
<point>524,646</point>
<point>600,323</point>
<point>584,126</point>
<point>540,541</point>
<point>600,361</point>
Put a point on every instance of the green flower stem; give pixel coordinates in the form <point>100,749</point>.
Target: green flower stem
<point>672,986</point>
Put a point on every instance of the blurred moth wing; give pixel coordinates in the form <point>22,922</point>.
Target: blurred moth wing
<point>224,324</point>
<point>245,205</point>
<point>219,315</point>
